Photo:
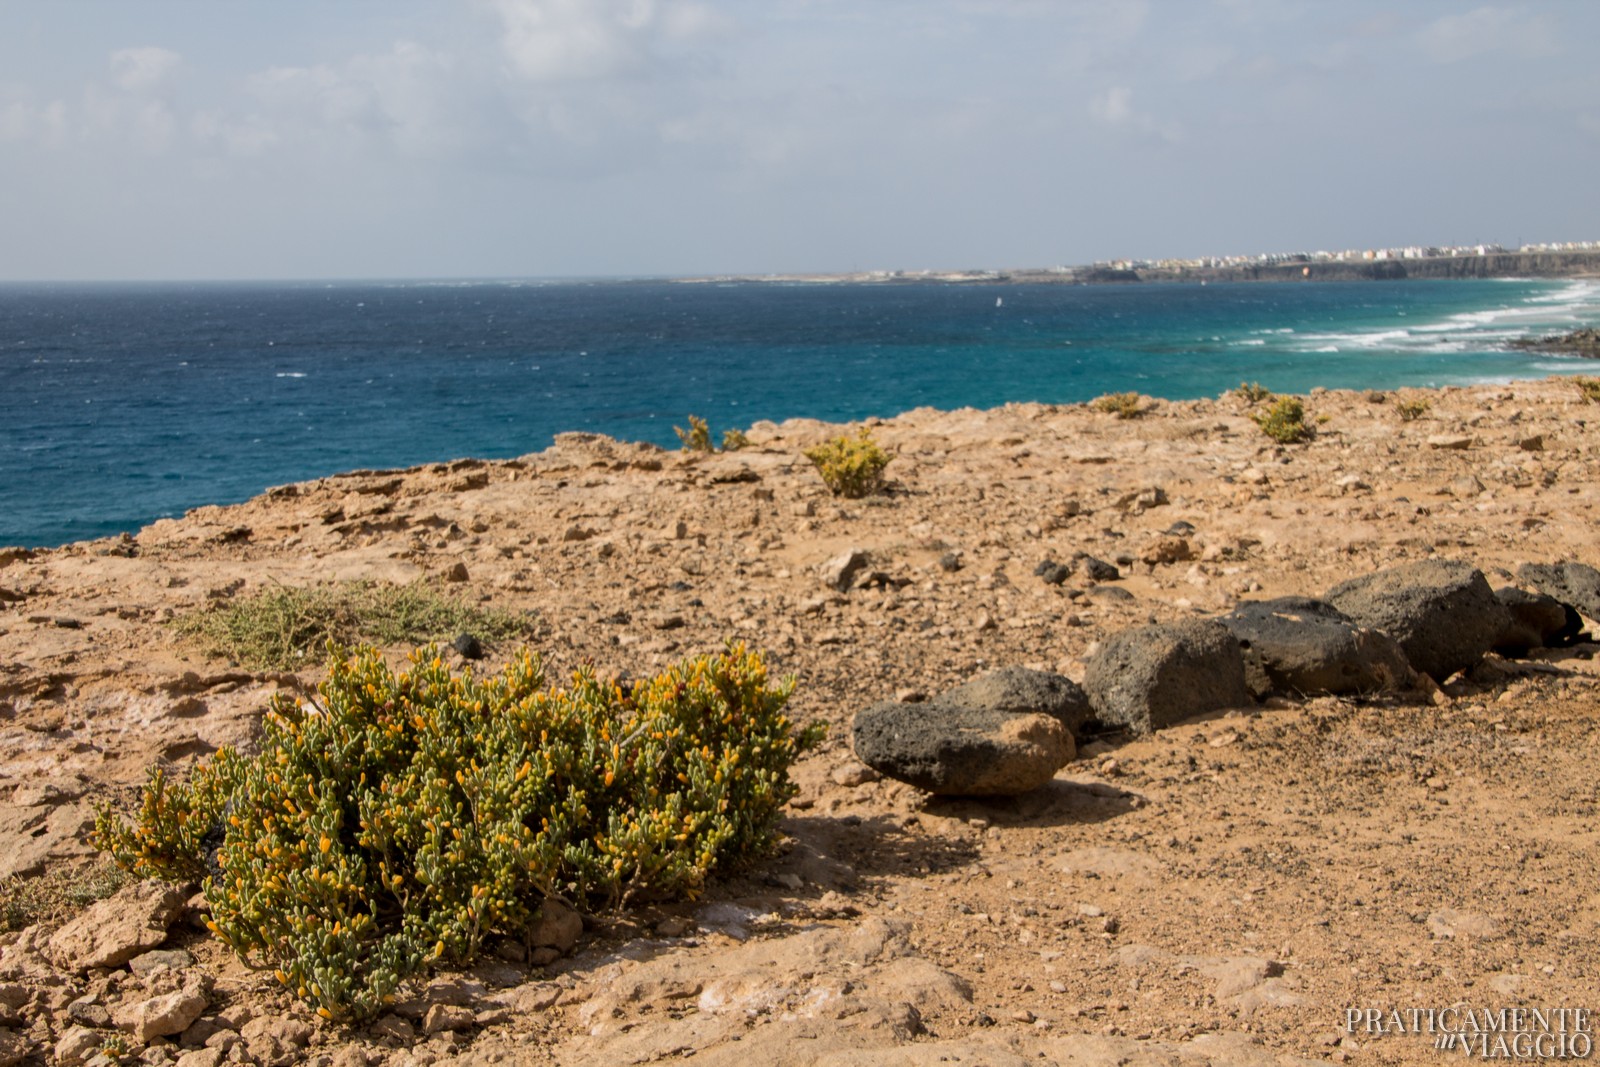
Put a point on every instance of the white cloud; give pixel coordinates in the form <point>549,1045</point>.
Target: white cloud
<point>138,70</point>
<point>1486,31</point>
<point>581,40</point>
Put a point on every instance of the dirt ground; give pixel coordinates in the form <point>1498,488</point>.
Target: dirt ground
<point>1227,891</point>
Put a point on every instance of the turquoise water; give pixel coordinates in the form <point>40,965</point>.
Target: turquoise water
<point>123,404</point>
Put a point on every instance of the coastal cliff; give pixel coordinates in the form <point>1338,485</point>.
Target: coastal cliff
<point>1219,892</point>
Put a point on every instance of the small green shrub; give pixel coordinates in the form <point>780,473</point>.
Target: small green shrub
<point>697,438</point>
<point>733,440</point>
<point>1284,421</point>
<point>1122,405</point>
<point>1589,387</point>
<point>850,466</point>
<point>1252,392</point>
<point>281,627</point>
<point>1412,410</point>
<point>402,818</point>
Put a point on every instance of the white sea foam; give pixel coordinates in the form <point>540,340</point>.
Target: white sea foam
<point>291,374</point>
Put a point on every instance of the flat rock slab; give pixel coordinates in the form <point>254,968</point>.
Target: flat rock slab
<point>1153,676</point>
<point>952,749</point>
<point>115,930</point>
<point>1577,584</point>
<point>1300,645</point>
<point>1442,612</point>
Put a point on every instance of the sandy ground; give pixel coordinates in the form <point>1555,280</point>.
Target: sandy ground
<point>1226,891</point>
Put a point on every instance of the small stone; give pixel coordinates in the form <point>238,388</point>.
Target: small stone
<point>456,573</point>
<point>1531,444</point>
<point>202,1057</point>
<point>1089,911</point>
<point>1098,570</point>
<point>1450,923</point>
<point>854,774</point>
<point>674,926</point>
<point>950,562</point>
<point>1058,986</point>
<point>839,572</point>
<point>162,1016</point>
<point>77,1045</point>
<point>174,958</point>
<point>392,1028</point>
<point>910,696</point>
<point>558,927</point>
<point>539,996</point>
<point>1023,1015</point>
<point>468,646</point>
<point>1449,442</point>
<point>442,1017</point>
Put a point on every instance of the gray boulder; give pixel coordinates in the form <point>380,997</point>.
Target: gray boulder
<point>1003,734</point>
<point>1535,620</point>
<point>1153,676</point>
<point>1577,584</point>
<point>1442,612</point>
<point>1301,645</point>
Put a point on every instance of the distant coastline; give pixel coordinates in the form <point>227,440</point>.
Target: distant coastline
<point>1541,264</point>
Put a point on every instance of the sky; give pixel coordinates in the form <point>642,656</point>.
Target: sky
<point>187,140</point>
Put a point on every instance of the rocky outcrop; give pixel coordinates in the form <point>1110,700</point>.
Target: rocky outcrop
<point>1153,676</point>
<point>1442,612</point>
<point>1297,645</point>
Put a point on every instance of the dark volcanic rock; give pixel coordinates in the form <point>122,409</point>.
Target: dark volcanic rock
<point>468,645</point>
<point>1301,645</point>
<point>1051,572</point>
<point>955,750</point>
<point>1001,734</point>
<point>1536,621</point>
<point>1018,690</point>
<point>1098,569</point>
<point>1442,612</point>
<point>1154,676</point>
<point>1577,584</point>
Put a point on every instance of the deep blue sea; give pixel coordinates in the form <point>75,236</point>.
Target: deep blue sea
<point>123,404</point>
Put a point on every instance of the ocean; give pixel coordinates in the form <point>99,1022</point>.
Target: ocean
<point>122,404</point>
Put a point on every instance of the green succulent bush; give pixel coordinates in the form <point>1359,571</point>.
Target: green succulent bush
<point>1252,392</point>
<point>401,818</point>
<point>851,466</point>
<point>1589,387</point>
<point>1284,421</point>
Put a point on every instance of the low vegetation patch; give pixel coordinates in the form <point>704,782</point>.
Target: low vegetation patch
<point>851,466</point>
<point>402,818</point>
<point>1122,405</point>
<point>697,438</point>
<point>1412,410</point>
<point>1252,392</point>
<point>1284,421</point>
<point>282,627</point>
<point>58,894</point>
<point>1590,388</point>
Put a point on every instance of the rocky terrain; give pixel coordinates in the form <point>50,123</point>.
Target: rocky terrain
<point>1224,890</point>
